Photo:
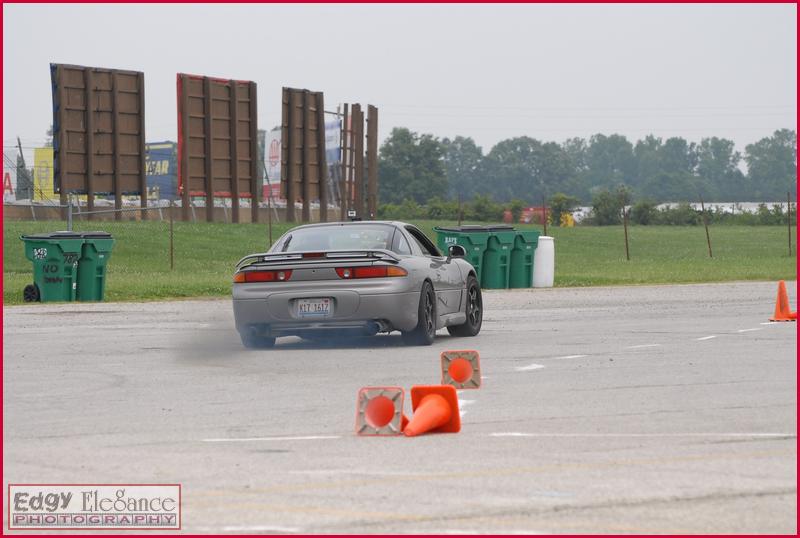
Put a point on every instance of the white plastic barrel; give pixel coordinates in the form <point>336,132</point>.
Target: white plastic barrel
<point>544,263</point>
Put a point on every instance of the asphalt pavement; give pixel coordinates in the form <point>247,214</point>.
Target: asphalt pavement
<point>651,409</point>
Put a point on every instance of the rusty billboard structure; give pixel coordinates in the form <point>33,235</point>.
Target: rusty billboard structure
<point>217,143</point>
<point>372,161</point>
<point>98,133</point>
<point>359,183</point>
<point>304,171</point>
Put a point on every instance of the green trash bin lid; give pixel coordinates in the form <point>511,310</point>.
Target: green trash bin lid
<point>54,235</point>
<point>464,228</point>
<point>96,235</point>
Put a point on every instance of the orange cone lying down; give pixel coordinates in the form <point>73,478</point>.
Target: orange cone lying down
<point>435,410</point>
<point>379,411</point>
<point>783,311</point>
<point>462,369</point>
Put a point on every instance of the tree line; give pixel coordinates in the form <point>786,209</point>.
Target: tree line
<point>420,167</point>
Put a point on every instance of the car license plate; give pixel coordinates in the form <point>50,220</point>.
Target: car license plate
<point>315,308</point>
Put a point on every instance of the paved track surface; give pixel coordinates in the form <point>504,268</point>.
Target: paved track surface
<point>657,409</point>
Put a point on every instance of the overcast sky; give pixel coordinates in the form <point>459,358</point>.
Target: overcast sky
<point>489,72</point>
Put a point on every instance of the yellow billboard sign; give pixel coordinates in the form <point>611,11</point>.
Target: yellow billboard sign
<point>43,174</point>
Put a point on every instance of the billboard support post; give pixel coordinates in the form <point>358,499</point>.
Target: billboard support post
<point>322,163</point>
<point>358,158</point>
<point>344,192</point>
<point>186,200</point>
<point>209,160</point>
<point>115,122</point>
<point>234,146</point>
<point>253,109</point>
<point>372,161</point>
<point>306,154</point>
<point>142,171</point>
<point>90,131</point>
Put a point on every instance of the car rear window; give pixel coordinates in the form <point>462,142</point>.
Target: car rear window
<point>338,237</point>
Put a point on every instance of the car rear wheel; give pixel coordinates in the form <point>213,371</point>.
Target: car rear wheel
<point>474,307</point>
<point>425,331</point>
<point>252,340</point>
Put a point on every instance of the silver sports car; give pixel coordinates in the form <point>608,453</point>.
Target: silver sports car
<point>324,280</point>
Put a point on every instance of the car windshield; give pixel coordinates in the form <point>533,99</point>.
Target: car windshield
<point>338,237</point>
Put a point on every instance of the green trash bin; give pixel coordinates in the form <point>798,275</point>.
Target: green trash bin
<point>521,272</point>
<point>472,238</point>
<point>92,265</point>
<point>55,266</point>
<point>497,259</point>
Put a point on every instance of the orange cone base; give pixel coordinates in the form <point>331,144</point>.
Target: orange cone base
<point>435,410</point>
<point>379,411</point>
<point>462,369</point>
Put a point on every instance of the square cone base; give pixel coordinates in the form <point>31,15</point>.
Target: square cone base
<point>448,392</point>
<point>467,361</point>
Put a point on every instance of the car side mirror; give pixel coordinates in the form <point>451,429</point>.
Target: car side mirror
<point>456,251</point>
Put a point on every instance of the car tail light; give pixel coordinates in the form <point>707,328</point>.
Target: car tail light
<point>373,271</point>
<point>262,276</point>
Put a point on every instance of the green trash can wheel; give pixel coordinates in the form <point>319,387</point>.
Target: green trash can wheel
<point>31,294</point>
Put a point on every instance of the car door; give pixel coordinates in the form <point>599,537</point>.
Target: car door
<point>446,275</point>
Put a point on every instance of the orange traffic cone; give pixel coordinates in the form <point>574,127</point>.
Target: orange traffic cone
<point>783,311</point>
<point>435,410</point>
<point>462,369</point>
<point>379,411</point>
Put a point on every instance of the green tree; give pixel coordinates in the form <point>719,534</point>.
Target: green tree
<point>718,168</point>
<point>516,208</point>
<point>561,204</point>
<point>411,166</point>
<point>484,209</point>
<point>609,161</point>
<point>525,168</point>
<point>772,166</point>
<point>607,205</point>
<point>644,212</point>
<point>462,161</point>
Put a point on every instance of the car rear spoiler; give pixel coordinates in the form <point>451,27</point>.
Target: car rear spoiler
<point>299,258</point>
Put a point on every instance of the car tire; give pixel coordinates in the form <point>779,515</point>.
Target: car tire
<point>251,340</point>
<point>474,308</point>
<point>425,331</point>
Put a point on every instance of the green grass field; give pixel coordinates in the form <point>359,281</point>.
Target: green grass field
<point>205,254</point>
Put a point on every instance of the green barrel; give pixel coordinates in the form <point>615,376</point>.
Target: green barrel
<point>497,259</point>
<point>472,238</point>
<point>521,272</point>
<point>92,265</point>
<point>55,265</point>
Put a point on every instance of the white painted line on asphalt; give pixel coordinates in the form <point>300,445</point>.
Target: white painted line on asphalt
<point>354,472</point>
<point>529,367</point>
<point>249,439</point>
<point>484,532</point>
<point>703,434</point>
<point>748,330</point>
<point>260,528</point>
<point>771,323</point>
<point>642,346</point>
<point>706,337</point>
<point>572,357</point>
<point>462,404</point>
<point>183,325</point>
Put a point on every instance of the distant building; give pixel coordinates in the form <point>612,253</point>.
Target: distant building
<point>161,168</point>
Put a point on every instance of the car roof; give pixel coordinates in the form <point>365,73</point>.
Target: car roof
<point>352,223</point>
